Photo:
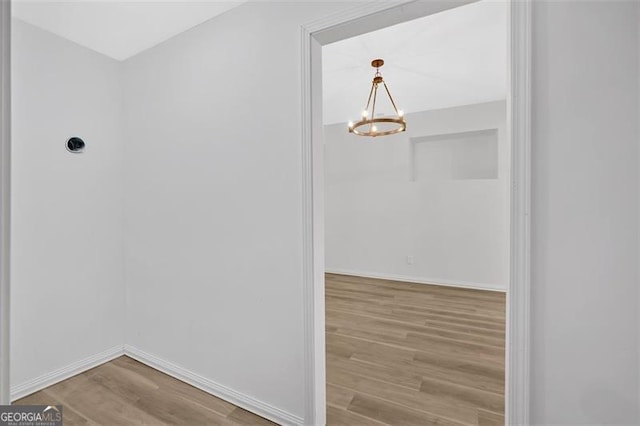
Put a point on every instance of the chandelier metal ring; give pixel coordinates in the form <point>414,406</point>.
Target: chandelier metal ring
<point>402,126</point>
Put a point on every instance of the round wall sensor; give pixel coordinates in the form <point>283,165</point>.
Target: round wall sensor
<point>75,145</point>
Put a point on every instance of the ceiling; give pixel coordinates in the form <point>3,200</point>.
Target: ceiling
<point>119,29</point>
<point>452,58</point>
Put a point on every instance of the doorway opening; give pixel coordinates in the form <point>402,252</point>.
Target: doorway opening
<point>445,154</point>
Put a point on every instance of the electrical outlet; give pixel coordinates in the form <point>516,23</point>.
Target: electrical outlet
<point>409,260</point>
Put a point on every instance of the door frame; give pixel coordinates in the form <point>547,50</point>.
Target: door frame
<point>370,17</point>
<point>5,198</point>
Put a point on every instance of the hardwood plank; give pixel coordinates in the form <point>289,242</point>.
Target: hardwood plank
<point>492,322</point>
<point>482,351</point>
<point>240,416</point>
<point>424,319</point>
<point>394,414</point>
<point>429,404</point>
<point>470,365</point>
<point>342,417</point>
<point>349,346</point>
<point>489,401</point>
<point>389,374</point>
<point>443,367</point>
<point>338,397</point>
<point>452,309</point>
<point>487,418</point>
<point>419,342</point>
<point>398,327</point>
<point>70,416</point>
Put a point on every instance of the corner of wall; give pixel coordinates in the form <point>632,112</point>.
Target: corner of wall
<point>637,4</point>
<point>5,186</point>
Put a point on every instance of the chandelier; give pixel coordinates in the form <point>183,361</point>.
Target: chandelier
<point>369,125</point>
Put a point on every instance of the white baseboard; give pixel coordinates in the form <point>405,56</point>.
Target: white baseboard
<point>241,400</point>
<point>63,373</point>
<point>410,279</point>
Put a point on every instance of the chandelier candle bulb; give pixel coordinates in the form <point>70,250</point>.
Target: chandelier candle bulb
<point>389,124</point>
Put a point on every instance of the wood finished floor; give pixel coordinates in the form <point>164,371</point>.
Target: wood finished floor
<point>413,354</point>
<point>126,392</point>
<point>397,354</point>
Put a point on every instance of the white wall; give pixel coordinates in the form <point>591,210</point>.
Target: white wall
<point>214,237</point>
<point>67,269</point>
<point>585,213</point>
<point>213,231</point>
<point>456,230</point>
<point>245,222</point>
